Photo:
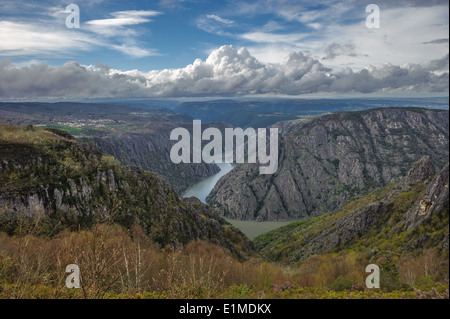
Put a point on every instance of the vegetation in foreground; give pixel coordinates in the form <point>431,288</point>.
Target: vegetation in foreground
<point>136,259</point>
<point>119,263</point>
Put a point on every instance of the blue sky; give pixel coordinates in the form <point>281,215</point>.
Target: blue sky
<point>223,48</point>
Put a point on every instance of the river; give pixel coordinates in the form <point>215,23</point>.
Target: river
<point>250,228</point>
<point>202,189</point>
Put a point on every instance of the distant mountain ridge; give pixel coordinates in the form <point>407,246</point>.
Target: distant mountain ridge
<point>65,108</point>
<point>332,158</point>
<point>245,113</point>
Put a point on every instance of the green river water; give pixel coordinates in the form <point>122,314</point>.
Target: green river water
<point>250,228</point>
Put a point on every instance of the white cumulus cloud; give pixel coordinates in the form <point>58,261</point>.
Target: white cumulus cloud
<point>226,72</point>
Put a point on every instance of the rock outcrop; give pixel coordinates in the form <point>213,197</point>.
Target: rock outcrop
<point>388,220</point>
<point>435,199</point>
<point>325,162</point>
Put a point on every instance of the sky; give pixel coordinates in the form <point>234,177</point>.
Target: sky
<point>229,48</point>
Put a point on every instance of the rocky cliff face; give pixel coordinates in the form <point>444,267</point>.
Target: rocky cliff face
<point>400,217</point>
<point>67,184</point>
<point>151,151</point>
<point>325,162</point>
<point>434,200</point>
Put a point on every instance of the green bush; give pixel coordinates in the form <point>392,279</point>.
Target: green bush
<point>341,283</point>
<point>389,277</point>
<point>425,282</point>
